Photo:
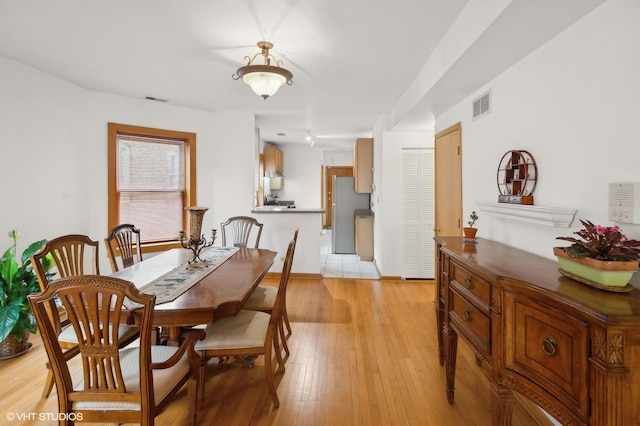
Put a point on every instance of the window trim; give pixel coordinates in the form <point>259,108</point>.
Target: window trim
<point>189,198</point>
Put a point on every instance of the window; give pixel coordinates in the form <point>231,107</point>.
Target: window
<point>151,181</point>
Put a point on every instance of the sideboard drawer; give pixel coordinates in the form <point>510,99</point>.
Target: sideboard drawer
<point>474,285</point>
<point>473,323</point>
<point>548,346</point>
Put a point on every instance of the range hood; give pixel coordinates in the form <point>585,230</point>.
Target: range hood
<point>273,183</point>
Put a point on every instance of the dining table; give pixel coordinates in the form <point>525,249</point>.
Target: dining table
<point>215,290</point>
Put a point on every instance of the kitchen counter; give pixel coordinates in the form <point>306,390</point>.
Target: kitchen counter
<point>363,213</point>
<point>285,209</point>
<point>279,224</point>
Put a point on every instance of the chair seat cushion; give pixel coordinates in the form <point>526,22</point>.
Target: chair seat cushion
<point>262,298</point>
<point>248,329</point>
<point>164,380</point>
<point>68,334</point>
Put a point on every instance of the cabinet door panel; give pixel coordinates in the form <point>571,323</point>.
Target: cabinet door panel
<point>548,346</point>
<point>363,165</point>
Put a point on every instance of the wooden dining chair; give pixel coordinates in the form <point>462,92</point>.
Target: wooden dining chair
<point>124,242</point>
<point>263,299</point>
<point>129,384</point>
<point>249,334</point>
<point>237,230</point>
<point>71,255</point>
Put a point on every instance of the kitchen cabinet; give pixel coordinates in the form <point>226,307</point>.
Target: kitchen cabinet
<point>571,349</point>
<point>364,235</point>
<point>363,165</point>
<point>273,161</point>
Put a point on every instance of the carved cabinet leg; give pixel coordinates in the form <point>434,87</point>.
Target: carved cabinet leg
<point>439,323</point>
<point>501,405</point>
<point>451,339</point>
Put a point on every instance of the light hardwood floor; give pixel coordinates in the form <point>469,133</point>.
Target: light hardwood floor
<point>363,352</point>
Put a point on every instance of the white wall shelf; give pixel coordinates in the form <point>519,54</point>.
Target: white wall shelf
<point>550,216</point>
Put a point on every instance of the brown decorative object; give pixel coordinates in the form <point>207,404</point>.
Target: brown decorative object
<point>470,233</point>
<point>196,241</point>
<point>195,221</point>
<point>11,347</point>
<point>571,349</point>
<point>516,177</point>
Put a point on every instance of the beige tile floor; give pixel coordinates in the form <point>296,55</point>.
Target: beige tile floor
<point>343,265</point>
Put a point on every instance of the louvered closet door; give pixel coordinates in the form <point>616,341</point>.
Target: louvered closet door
<point>418,199</point>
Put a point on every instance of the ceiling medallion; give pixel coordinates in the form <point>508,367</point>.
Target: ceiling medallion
<point>264,79</point>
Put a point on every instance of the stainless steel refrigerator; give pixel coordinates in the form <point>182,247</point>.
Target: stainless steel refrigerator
<point>345,202</point>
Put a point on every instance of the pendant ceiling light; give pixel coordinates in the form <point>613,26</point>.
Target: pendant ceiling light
<point>264,79</point>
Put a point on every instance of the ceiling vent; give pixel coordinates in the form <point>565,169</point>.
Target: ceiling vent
<point>482,105</point>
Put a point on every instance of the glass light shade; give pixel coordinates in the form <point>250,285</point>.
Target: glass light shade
<point>264,84</point>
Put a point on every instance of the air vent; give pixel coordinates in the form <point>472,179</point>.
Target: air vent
<point>482,105</point>
<point>151,98</point>
<point>624,202</point>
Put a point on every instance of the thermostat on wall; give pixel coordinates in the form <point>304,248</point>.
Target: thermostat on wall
<point>624,202</point>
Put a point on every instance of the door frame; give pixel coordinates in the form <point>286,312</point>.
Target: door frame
<point>329,172</point>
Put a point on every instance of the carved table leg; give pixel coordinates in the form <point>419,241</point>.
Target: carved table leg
<point>451,339</point>
<point>174,336</point>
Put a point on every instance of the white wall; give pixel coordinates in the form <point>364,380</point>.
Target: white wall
<point>388,198</point>
<point>333,158</point>
<point>54,155</point>
<point>43,156</point>
<point>573,104</point>
<point>302,176</point>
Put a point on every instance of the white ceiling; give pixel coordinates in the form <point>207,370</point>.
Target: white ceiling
<point>352,60</point>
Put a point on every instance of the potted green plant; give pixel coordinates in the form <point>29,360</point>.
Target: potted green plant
<point>601,256</point>
<point>17,281</point>
<point>470,231</point>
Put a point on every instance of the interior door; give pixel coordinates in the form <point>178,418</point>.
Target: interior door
<point>448,182</point>
<point>417,214</point>
<point>329,173</point>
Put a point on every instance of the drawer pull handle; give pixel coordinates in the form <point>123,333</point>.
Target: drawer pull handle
<point>466,314</point>
<point>467,282</point>
<point>549,346</point>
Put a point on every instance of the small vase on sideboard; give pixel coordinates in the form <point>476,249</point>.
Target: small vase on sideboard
<point>470,233</point>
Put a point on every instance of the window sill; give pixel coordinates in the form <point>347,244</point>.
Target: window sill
<point>155,247</point>
<point>550,216</point>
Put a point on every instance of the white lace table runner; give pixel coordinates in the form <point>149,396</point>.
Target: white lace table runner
<point>175,282</point>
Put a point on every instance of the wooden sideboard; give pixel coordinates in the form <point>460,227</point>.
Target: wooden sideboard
<point>571,349</point>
